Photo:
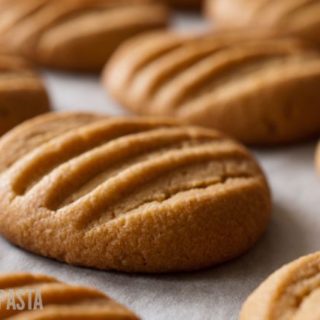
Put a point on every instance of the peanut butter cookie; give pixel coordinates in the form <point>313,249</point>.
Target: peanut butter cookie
<point>22,92</point>
<point>259,89</point>
<point>301,17</point>
<point>40,297</point>
<point>130,194</point>
<point>75,34</point>
<point>291,293</point>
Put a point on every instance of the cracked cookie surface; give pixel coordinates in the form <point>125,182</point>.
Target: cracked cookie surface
<point>130,194</point>
<point>75,34</point>
<point>22,92</point>
<point>56,300</point>
<point>260,91</point>
<point>291,293</point>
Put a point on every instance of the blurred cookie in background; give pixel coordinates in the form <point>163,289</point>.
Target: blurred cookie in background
<point>301,17</point>
<point>39,297</point>
<point>75,34</point>
<point>258,88</point>
<point>292,292</point>
<point>22,92</point>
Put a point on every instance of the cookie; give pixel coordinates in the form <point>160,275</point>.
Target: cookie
<point>259,89</point>
<point>129,194</point>
<point>301,17</point>
<point>40,297</point>
<point>75,34</point>
<point>22,92</point>
<point>290,293</point>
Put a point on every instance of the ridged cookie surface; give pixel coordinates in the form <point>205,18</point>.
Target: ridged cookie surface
<point>291,293</point>
<point>301,17</point>
<point>259,89</point>
<point>130,194</point>
<point>52,299</point>
<point>22,92</point>
<point>75,34</point>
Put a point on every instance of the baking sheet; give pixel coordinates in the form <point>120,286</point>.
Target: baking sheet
<point>216,293</point>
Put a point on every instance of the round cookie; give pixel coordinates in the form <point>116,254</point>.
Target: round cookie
<point>75,35</point>
<point>22,92</point>
<point>42,298</point>
<point>301,17</point>
<point>129,194</point>
<point>259,89</point>
<point>291,293</point>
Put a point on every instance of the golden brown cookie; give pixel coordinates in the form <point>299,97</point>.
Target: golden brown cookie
<point>27,296</point>
<point>291,293</point>
<point>130,194</point>
<point>301,17</point>
<point>22,92</point>
<point>259,89</point>
<point>75,34</point>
